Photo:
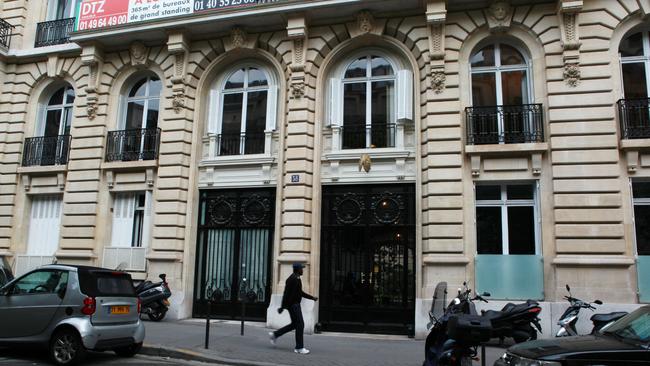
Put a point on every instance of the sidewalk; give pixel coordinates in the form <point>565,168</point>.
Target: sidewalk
<point>185,339</point>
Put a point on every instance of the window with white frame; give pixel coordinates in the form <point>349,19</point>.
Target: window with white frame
<point>143,104</point>
<point>507,218</point>
<point>368,102</point>
<point>58,113</point>
<point>641,196</point>
<point>244,112</point>
<point>634,52</point>
<point>44,225</point>
<point>61,9</point>
<point>131,219</point>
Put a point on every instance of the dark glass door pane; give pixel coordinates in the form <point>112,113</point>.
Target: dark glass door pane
<point>641,189</point>
<point>382,110</point>
<point>255,122</point>
<point>354,115</point>
<point>231,124</point>
<point>484,91</point>
<point>134,115</point>
<point>484,192</point>
<point>634,80</point>
<point>152,113</point>
<point>52,123</point>
<point>642,227</point>
<point>632,45</point>
<point>488,230</point>
<point>521,230</point>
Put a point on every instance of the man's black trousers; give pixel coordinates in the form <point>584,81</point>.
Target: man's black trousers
<point>296,323</point>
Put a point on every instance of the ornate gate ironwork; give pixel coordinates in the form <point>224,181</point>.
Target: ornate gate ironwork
<point>368,259</point>
<point>234,242</point>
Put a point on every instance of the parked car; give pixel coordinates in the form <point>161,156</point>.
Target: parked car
<point>625,342</point>
<point>5,272</point>
<point>72,309</point>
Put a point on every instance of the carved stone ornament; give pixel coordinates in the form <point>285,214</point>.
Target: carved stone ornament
<point>138,53</point>
<point>499,15</point>
<point>572,74</point>
<point>237,37</point>
<point>178,102</point>
<point>365,163</point>
<point>365,21</point>
<point>91,110</point>
<point>438,79</point>
<point>298,89</point>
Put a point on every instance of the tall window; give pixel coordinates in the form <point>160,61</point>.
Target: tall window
<point>641,194</point>
<point>143,104</point>
<point>634,51</point>
<point>500,111</point>
<point>58,112</point>
<point>243,115</point>
<point>61,9</point>
<point>506,219</point>
<point>369,103</point>
<point>131,219</point>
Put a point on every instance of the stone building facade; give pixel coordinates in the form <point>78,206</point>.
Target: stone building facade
<point>387,145</point>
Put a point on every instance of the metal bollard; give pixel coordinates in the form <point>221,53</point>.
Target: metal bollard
<point>482,355</point>
<point>242,298</point>
<point>214,297</point>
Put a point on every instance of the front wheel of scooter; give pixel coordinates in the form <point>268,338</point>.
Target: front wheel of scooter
<point>157,315</point>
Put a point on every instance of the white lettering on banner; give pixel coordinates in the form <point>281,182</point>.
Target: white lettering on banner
<point>141,10</point>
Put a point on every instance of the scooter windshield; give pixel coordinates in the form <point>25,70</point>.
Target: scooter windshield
<point>439,300</point>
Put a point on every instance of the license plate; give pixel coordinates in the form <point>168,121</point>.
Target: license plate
<point>119,309</point>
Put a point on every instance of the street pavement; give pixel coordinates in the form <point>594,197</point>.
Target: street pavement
<point>25,357</point>
<point>186,338</point>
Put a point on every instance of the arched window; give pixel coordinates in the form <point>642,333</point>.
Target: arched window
<point>52,142</point>
<point>246,101</point>
<point>634,51</point>
<point>501,95</point>
<point>58,112</point>
<point>367,102</point>
<point>139,135</point>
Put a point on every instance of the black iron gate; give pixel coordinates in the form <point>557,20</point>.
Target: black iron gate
<point>234,243</point>
<point>368,259</point>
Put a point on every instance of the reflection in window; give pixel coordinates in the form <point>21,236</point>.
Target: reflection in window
<point>641,195</point>
<point>368,103</point>
<point>58,113</point>
<point>506,219</point>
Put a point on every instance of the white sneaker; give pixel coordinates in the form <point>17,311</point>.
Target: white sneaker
<point>272,337</point>
<point>302,351</point>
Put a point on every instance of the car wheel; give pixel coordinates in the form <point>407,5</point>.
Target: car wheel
<point>66,347</point>
<point>128,351</point>
<point>157,315</point>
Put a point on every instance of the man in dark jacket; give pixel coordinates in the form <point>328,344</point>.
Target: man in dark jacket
<point>291,298</point>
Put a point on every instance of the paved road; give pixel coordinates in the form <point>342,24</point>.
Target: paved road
<point>31,357</point>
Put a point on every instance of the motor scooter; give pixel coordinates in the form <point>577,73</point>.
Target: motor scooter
<point>154,298</point>
<point>569,318</point>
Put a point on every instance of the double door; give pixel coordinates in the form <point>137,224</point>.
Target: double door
<point>234,248</point>
<point>368,259</point>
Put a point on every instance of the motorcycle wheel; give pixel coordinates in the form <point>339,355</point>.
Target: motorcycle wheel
<point>157,315</point>
<point>465,361</point>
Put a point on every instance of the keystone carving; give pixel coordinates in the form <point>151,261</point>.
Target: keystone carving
<point>499,15</point>
<point>138,52</point>
<point>237,37</point>
<point>366,21</point>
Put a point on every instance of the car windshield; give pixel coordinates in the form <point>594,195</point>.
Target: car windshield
<point>634,327</point>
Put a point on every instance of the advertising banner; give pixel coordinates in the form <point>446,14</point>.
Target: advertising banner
<point>97,14</point>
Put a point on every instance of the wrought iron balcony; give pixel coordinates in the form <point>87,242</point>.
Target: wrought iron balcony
<point>240,143</point>
<point>54,32</point>
<point>505,124</point>
<point>133,145</point>
<point>361,136</point>
<point>6,30</point>
<point>46,150</point>
<point>634,115</point>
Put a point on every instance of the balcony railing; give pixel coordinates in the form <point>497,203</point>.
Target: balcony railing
<point>634,115</point>
<point>133,145</point>
<point>6,30</point>
<point>240,143</point>
<point>505,124</point>
<point>361,136</point>
<point>46,150</point>
<point>54,32</point>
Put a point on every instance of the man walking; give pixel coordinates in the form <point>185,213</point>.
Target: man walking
<point>291,298</point>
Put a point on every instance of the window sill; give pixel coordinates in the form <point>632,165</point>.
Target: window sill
<point>377,153</point>
<point>615,261</point>
<point>507,149</point>
<point>253,159</point>
<point>42,169</point>
<point>130,165</point>
<point>632,147</point>
<point>635,144</point>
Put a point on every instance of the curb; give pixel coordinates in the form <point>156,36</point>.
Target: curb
<point>191,355</point>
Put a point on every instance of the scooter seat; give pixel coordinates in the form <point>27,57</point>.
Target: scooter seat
<point>144,286</point>
<point>492,314</point>
<point>606,318</point>
<point>515,308</point>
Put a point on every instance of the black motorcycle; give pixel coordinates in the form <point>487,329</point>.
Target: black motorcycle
<point>154,298</point>
<point>455,334</point>
<point>569,318</point>
<point>517,321</point>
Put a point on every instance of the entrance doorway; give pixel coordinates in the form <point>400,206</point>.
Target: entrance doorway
<point>368,259</point>
<point>234,250</point>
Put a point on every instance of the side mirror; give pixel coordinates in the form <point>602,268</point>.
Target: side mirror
<point>486,294</point>
<point>162,276</point>
<point>598,302</point>
<point>568,288</point>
